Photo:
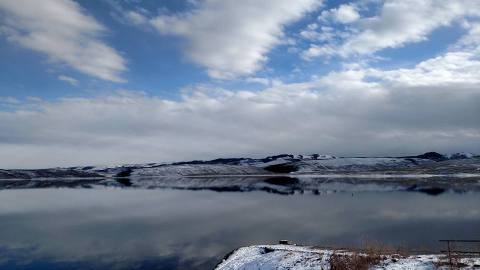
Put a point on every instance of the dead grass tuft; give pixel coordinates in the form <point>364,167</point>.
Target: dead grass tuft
<point>353,261</point>
<point>363,259</point>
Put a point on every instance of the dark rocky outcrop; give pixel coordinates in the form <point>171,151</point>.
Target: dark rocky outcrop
<point>432,156</point>
<point>281,168</point>
<point>125,172</point>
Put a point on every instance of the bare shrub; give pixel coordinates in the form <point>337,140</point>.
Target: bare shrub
<point>354,261</point>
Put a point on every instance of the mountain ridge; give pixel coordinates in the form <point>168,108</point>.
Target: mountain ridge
<point>427,163</point>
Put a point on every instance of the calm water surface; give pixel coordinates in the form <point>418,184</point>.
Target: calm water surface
<point>172,229</point>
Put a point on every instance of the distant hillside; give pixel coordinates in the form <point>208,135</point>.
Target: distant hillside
<point>292,164</point>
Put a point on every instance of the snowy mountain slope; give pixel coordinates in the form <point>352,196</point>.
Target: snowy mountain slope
<point>48,173</point>
<point>428,163</point>
<point>360,164</point>
<point>308,164</point>
<point>196,170</point>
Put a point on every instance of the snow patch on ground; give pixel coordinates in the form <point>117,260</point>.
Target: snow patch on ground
<point>269,257</point>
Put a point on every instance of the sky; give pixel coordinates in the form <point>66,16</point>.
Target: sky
<point>128,81</point>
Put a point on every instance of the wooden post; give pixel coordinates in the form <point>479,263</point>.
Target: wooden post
<point>449,255</point>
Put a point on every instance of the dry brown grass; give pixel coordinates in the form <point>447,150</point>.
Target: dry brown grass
<point>353,261</point>
<point>362,259</point>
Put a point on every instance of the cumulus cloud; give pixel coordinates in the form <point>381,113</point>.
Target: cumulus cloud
<point>135,17</point>
<point>63,31</point>
<point>259,80</point>
<point>68,79</point>
<point>315,33</point>
<point>232,38</point>
<point>403,21</point>
<point>345,13</point>
<point>398,22</point>
<point>316,50</point>
<point>357,111</point>
<point>453,68</point>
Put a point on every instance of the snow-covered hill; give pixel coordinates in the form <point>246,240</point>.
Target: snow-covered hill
<point>302,258</point>
<point>428,163</point>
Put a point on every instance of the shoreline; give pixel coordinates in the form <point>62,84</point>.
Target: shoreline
<point>287,256</point>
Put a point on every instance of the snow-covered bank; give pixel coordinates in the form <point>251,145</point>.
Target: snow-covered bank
<point>302,258</point>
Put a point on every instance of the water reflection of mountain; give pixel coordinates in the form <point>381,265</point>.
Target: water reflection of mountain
<point>278,184</point>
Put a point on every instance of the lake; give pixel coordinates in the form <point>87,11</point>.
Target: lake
<point>126,228</point>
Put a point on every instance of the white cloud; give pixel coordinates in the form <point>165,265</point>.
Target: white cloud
<point>399,22</point>
<point>314,33</point>
<point>454,68</point>
<point>315,51</point>
<point>432,106</point>
<point>9,100</point>
<point>402,22</point>
<point>68,79</point>
<point>135,17</point>
<point>232,38</point>
<point>65,33</point>
<point>358,111</point>
<point>471,40</point>
<point>457,67</point>
<point>259,80</point>
<point>346,14</point>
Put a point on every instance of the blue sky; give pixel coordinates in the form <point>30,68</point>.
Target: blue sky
<point>248,61</point>
<point>156,64</point>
